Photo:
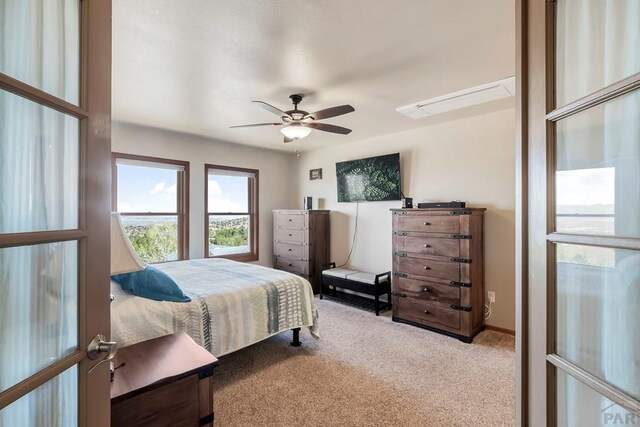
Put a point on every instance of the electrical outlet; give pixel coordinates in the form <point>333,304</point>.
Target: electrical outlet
<point>492,296</point>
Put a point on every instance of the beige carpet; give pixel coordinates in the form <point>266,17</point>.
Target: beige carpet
<point>367,371</point>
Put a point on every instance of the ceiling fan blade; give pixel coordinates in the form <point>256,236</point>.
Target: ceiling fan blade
<point>271,108</point>
<point>329,128</point>
<point>287,139</point>
<point>331,112</point>
<point>257,124</point>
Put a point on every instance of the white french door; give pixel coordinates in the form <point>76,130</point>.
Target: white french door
<point>582,67</point>
<point>55,104</point>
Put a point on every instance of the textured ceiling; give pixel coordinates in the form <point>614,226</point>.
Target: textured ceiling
<point>195,66</point>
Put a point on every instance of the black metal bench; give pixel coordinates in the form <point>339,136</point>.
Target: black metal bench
<point>356,281</point>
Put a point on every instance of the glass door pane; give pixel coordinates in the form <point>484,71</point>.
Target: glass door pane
<point>39,306</point>
<point>598,169</point>
<point>40,45</point>
<point>597,45</point>
<point>579,406</point>
<point>597,300</point>
<point>39,166</point>
<point>53,404</point>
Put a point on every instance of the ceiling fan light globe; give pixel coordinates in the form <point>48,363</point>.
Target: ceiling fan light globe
<point>295,131</point>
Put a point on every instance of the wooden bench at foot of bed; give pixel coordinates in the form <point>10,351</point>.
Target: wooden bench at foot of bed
<point>356,281</point>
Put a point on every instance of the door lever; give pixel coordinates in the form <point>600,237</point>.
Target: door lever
<point>98,346</point>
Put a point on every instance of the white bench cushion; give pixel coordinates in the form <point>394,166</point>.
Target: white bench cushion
<point>356,276</point>
<point>339,272</point>
<point>365,278</point>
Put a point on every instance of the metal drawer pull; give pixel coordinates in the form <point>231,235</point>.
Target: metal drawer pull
<point>426,290</point>
<point>426,267</point>
<point>427,312</point>
<point>427,246</point>
<point>427,223</point>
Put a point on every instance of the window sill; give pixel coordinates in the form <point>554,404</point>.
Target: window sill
<point>164,262</point>
<point>247,257</point>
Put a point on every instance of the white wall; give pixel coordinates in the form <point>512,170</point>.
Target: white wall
<point>470,159</point>
<point>274,167</point>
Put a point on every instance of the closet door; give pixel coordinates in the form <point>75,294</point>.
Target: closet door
<point>584,212</point>
<point>55,84</point>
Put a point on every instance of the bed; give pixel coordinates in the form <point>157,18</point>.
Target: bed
<point>233,305</point>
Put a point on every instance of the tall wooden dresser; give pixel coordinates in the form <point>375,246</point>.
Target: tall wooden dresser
<point>301,243</point>
<point>438,277</point>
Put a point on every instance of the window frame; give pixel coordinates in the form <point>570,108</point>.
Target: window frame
<point>253,204</point>
<point>182,194</point>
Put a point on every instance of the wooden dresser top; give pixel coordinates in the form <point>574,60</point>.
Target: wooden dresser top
<point>301,211</point>
<point>157,361</point>
<point>437,209</point>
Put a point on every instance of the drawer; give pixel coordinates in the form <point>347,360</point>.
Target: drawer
<point>291,250</point>
<point>426,313</point>
<point>428,245</point>
<point>429,223</point>
<point>291,220</point>
<point>290,235</point>
<point>292,266</point>
<point>173,404</point>
<point>428,291</point>
<point>428,268</point>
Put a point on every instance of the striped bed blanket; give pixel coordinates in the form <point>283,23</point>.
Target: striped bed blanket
<point>233,305</point>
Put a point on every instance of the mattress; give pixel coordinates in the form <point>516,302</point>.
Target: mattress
<point>233,305</point>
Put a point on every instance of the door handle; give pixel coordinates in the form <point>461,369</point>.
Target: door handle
<point>99,346</point>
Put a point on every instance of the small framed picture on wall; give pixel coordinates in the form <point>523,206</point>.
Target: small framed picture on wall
<point>315,174</point>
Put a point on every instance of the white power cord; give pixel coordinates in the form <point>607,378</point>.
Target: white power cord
<point>487,310</point>
<point>353,241</point>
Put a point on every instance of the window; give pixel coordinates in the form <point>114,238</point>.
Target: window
<point>585,200</point>
<point>231,206</point>
<point>151,195</point>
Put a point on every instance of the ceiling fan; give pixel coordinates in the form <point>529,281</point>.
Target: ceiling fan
<point>297,124</point>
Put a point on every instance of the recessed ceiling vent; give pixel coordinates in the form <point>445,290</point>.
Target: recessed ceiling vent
<point>461,99</point>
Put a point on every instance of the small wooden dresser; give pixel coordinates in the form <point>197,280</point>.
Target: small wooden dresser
<point>163,382</point>
<point>438,277</point>
<point>301,243</point>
